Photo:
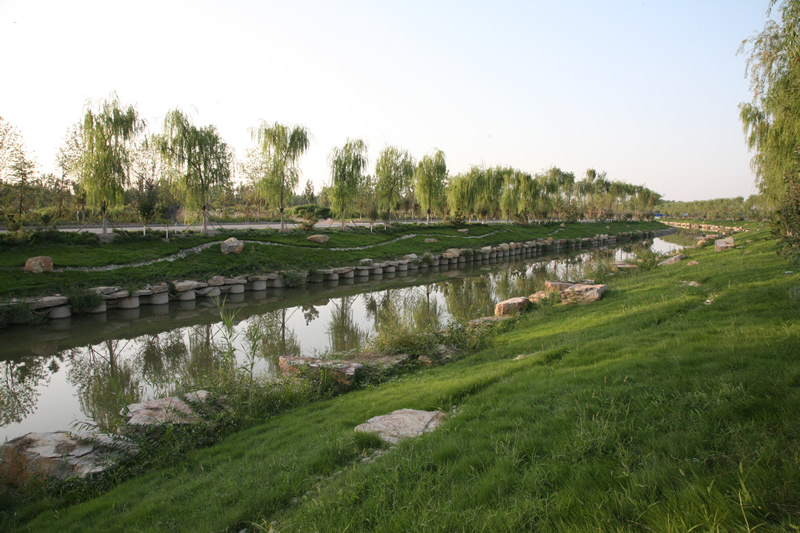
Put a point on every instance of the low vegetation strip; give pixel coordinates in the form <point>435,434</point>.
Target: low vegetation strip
<point>138,261</point>
<point>667,405</point>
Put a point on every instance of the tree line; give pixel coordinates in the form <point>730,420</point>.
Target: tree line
<point>111,165</point>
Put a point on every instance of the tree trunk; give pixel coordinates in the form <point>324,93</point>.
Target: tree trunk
<point>103,211</point>
<point>204,226</point>
<point>283,224</point>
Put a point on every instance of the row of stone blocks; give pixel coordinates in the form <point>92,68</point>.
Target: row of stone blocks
<point>58,307</point>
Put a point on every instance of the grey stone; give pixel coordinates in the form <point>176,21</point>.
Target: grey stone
<point>231,246</point>
<point>402,424</point>
<point>39,264</point>
<point>319,239</point>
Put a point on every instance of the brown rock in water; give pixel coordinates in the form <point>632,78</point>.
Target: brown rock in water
<point>39,264</point>
<point>319,239</point>
<point>582,294</point>
<point>511,306</point>
<point>402,424</point>
<point>231,246</point>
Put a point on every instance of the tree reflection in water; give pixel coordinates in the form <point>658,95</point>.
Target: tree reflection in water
<point>343,331</point>
<point>18,382</point>
<point>269,337</point>
<point>105,381</point>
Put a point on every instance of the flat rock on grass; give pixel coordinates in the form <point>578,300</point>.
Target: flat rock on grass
<point>672,260</point>
<point>582,294</point>
<point>319,239</point>
<point>402,424</point>
<point>486,321</point>
<point>58,455</point>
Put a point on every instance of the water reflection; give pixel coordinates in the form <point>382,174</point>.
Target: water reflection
<point>343,331</point>
<point>104,381</point>
<point>19,382</point>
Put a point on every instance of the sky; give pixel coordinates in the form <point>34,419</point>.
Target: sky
<point>647,91</point>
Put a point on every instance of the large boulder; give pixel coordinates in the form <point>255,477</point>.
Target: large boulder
<point>319,239</point>
<point>582,294</point>
<point>59,455</point>
<point>511,306</point>
<point>402,424</point>
<point>232,246</point>
<point>39,264</point>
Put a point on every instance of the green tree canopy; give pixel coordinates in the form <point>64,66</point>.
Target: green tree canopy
<point>393,170</point>
<point>347,173</point>
<point>106,134</point>
<point>201,158</point>
<point>281,147</point>
<point>431,177</point>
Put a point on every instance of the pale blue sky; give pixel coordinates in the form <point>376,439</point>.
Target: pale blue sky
<point>647,91</point>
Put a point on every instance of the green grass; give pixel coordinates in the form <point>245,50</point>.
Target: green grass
<point>294,252</point>
<point>648,410</point>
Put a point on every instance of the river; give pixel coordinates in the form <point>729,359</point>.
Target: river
<point>83,370</point>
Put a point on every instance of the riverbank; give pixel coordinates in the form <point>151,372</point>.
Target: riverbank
<point>667,405</point>
<point>133,269</point>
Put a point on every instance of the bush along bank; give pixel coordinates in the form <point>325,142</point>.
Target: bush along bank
<point>96,300</point>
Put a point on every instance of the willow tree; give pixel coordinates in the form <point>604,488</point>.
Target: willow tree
<point>282,148</point>
<point>347,173</point>
<point>772,120</point>
<point>106,135</point>
<point>430,177</point>
<point>393,170</point>
<point>461,196</point>
<point>201,159</point>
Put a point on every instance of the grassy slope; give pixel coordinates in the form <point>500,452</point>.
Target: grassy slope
<point>647,410</point>
<point>299,254</point>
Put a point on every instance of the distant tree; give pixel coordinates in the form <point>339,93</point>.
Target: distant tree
<point>430,177</point>
<point>308,193</point>
<point>347,173</point>
<point>201,158</point>
<point>282,148</point>
<point>393,170</point>
<point>106,134</point>
<point>254,168</point>
<point>146,170</point>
